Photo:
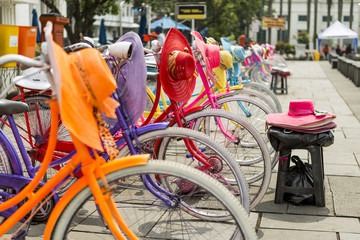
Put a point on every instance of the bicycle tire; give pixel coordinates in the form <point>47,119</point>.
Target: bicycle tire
<point>257,119</point>
<point>146,216</point>
<point>266,91</point>
<point>229,166</point>
<point>257,96</point>
<point>262,78</point>
<point>258,168</point>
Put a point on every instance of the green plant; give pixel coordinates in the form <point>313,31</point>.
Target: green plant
<point>279,46</point>
<point>289,48</point>
<point>302,37</point>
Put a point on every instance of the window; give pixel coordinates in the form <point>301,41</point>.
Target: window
<point>283,36</point>
<point>302,18</point>
<point>346,18</point>
<point>324,18</point>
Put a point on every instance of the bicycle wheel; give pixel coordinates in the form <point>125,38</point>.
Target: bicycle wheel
<point>168,144</point>
<point>262,76</point>
<point>39,119</point>
<point>148,216</point>
<point>246,145</point>
<point>252,111</point>
<point>39,124</point>
<point>254,94</point>
<point>265,91</point>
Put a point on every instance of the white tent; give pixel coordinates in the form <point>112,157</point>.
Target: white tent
<point>337,30</point>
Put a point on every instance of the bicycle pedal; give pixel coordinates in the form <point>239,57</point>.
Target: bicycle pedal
<point>21,235</point>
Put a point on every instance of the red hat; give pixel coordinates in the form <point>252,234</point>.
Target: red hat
<point>177,68</point>
<point>301,115</point>
<point>210,53</point>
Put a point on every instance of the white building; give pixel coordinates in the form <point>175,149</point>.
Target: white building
<point>19,12</point>
<point>299,18</point>
<point>117,25</point>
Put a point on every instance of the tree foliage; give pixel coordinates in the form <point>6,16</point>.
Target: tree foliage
<point>224,17</point>
<point>82,13</point>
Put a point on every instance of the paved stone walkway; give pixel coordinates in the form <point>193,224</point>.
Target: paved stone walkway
<point>340,219</point>
<point>330,91</point>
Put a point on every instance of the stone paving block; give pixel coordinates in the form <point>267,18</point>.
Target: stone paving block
<point>267,203</point>
<point>357,157</point>
<point>351,132</point>
<point>347,121</point>
<point>337,157</point>
<point>295,234</point>
<point>328,210</point>
<point>346,145</point>
<point>338,136</point>
<point>36,232</point>
<point>90,236</point>
<point>310,223</point>
<point>253,218</point>
<point>349,236</point>
<point>341,109</point>
<point>346,192</point>
<point>342,170</point>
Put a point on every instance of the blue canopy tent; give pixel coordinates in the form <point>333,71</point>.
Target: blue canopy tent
<point>167,23</point>
<point>338,31</point>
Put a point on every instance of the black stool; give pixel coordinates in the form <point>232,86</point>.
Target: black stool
<point>285,142</point>
<point>282,77</point>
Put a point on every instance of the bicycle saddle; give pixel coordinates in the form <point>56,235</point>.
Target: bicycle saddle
<point>8,107</point>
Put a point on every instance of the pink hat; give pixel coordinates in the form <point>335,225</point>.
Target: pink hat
<point>301,115</point>
<point>210,53</point>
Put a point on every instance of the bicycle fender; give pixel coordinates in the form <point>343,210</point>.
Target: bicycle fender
<point>108,167</point>
<point>151,127</point>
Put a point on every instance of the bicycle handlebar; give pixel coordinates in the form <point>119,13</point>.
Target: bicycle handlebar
<point>21,59</point>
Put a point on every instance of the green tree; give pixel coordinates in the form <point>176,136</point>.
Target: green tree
<point>224,17</point>
<point>82,13</point>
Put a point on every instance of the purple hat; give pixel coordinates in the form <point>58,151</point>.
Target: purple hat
<point>131,79</point>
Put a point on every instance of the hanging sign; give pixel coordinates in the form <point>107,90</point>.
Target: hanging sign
<point>191,11</point>
<point>268,22</point>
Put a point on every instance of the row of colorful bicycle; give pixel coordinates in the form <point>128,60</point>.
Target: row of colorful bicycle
<point>128,162</point>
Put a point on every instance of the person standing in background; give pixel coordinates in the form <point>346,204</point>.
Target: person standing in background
<point>326,51</point>
<point>161,35</point>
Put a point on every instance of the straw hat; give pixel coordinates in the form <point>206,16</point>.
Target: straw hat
<point>177,68</point>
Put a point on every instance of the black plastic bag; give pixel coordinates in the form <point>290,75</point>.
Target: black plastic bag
<point>300,175</point>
